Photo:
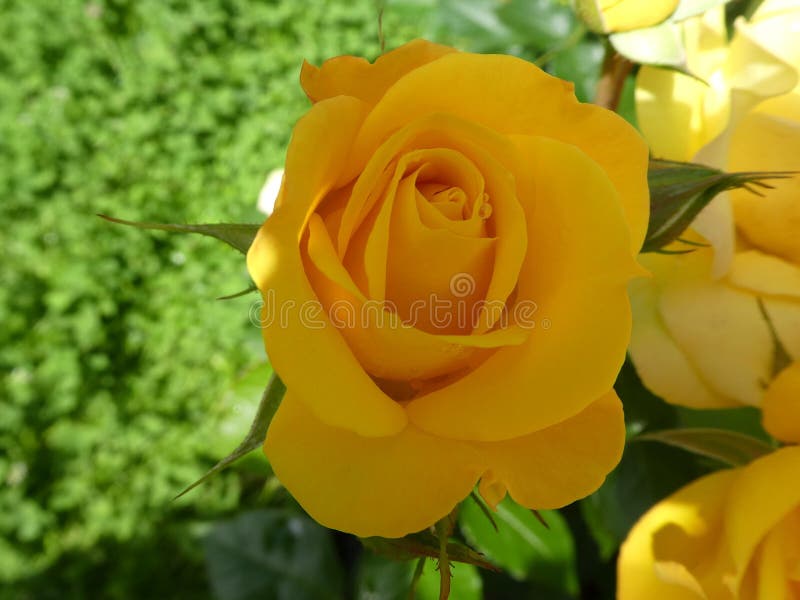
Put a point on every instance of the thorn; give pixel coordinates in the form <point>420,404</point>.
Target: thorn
<point>540,518</point>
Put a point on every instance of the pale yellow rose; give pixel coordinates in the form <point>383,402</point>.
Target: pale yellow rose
<point>700,338</point>
<point>623,15</point>
<point>732,535</point>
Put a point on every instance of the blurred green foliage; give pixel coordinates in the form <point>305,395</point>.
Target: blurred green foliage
<point>114,354</point>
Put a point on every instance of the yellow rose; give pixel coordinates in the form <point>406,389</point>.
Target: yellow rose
<point>623,15</point>
<point>700,337</point>
<point>734,534</point>
<point>444,282</point>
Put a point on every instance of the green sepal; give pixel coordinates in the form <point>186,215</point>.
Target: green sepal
<point>780,355</point>
<point>679,191</point>
<point>729,447</point>
<point>424,545</point>
<point>236,235</point>
<point>270,401</point>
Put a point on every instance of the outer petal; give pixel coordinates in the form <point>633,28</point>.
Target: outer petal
<point>785,317</point>
<point>676,534</point>
<point>564,462</point>
<point>769,142</point>
<point>781,409</point>
<point>354,76</point>
<point>764,494</point>
<point>719,329</point>
<point>765,274</point>
<point>523,100</point>
<point>678,114</point>
<point>576,270</point>
<point>340,393</point>
<point>384,346</point>
<point>775,25</point>
<point>388,486</point>
<point>660,362</point>
<point>635,14</point>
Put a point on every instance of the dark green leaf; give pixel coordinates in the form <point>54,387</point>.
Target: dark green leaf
<point>729,447</point>
<point>522,546</point>
<point>679,191</point>
<point>380,578</point>
<point>745,419</point>
<point>270,401</point>
<point>237,235</point>
<point>272,554</point>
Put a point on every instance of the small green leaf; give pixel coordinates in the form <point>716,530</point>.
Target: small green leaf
<point>679,191</point>
<point>729,447</point>
<point>272,554</point>
<point>270,401</point>
<point>522,546</point>
<point>659,45</point>
<point>237,235</point>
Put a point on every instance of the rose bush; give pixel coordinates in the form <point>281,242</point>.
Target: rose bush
<point>623,15</point>
<point>426,199</point>
<point>700,336</point>
<point>734,534</point>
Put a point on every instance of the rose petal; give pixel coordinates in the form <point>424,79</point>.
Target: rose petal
<point>396,485</point>
<point>720,329</point>
<point>762,497</point>
<point>340,392</point>
<point>496,159</point>
<point>384,346</point>
<point>624,15</point>
<point>354,76</point>
<point>557,465</point>
<point>781,409</point>
<point>679,532</point>
<point>423,263</point>
<point>678,114</point>
<point>523,100</point>
<point>576,270</point>
<point>661,363</point>
<point>769,142</point>
<point>388,487</point>
<point>765,274</point>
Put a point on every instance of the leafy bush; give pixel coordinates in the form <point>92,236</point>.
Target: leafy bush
<point>114,354</point>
